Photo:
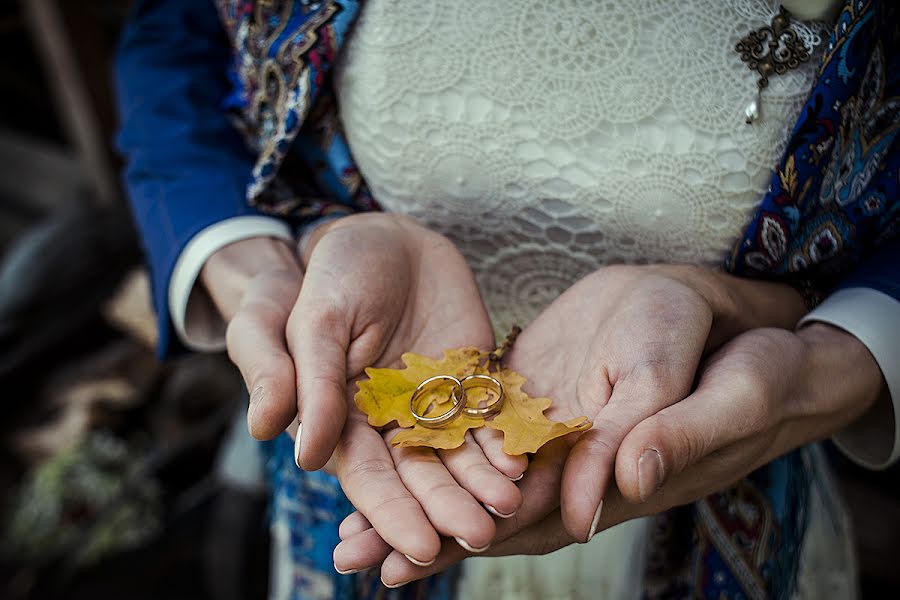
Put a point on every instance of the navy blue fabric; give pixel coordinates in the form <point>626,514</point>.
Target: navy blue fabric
<point>881,271</point>
<point>187,165</point>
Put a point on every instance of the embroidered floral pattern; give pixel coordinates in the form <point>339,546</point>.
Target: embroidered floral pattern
<point>827,203</point>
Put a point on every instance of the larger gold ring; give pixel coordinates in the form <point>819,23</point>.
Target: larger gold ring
<point>485,381</point>
<point>458,395</point>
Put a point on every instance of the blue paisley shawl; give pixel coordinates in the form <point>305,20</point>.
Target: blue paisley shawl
<point>833,197</point>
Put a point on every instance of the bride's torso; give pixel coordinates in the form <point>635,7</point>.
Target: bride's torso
<point>550,138</point>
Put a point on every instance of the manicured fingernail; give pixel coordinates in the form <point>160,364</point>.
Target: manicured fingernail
<point>466,545</point>
<point>595,522</point>
<point>347,572</point>
<point>496,512</point>
<point>297,445</point>
<point>650,473</point>
<point>419,562</point>
<point>521,475</point>
<point>393,585</point>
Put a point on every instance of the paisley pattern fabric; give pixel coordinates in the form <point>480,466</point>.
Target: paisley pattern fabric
<point>834,194</point>
<point>833,197</point>
<point>284,52</point>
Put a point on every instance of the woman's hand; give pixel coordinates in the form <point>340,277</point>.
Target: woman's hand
<point>763,394</point>
<point>621,345</point>
<point>378,286</point>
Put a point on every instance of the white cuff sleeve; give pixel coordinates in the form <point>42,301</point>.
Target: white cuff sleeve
<point>873,317</point>
<point>194,316</point>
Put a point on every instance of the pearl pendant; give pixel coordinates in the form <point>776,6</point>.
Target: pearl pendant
<point>751,112</point>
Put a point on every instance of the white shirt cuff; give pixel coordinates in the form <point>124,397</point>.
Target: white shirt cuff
<point>873,317</point>
<point>196,320</point>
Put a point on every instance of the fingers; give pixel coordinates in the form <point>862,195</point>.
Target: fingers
<point>731,403</point>
<point>491,443</point>
<point>256,344</point>
<point>452,510</point>
<point>363,550</point>
<point>543,537</point>
<point>470,468</point>
<point>591,464</point>
<point>353,524</point>
<point>371,482</point>
<point>540,492</point>
<point>318,336</point>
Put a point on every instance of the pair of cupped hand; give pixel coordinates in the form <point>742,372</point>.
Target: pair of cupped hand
<point>686,390</point>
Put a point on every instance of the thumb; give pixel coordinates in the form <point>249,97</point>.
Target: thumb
<point>727,407</point>
<point>318,336</point>
<point>255,343</point>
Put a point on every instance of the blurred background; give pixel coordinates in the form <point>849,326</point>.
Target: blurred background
<point>112,463</point>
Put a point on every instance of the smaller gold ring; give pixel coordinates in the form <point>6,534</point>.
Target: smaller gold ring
<point>485,381</point>
<point>458,395</point>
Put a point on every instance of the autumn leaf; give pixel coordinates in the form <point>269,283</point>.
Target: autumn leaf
<point>446,438</point>
<point>450,436</point>
<point>384,397</point>
<point>522,421</point>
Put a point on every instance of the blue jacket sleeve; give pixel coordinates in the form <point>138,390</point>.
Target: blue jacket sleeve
<point>187,167</point>
<point>880,271</point>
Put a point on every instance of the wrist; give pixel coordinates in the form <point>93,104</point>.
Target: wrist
<point>842,377</point>
<point>740,304</point>
<point>228,272</point>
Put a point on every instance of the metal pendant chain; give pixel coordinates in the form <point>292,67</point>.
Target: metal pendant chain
<point>771,50</point>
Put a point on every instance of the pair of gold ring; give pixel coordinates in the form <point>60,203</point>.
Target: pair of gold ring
<point>457,396</point>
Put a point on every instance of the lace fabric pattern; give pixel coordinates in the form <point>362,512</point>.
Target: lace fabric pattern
<point>550,139</point>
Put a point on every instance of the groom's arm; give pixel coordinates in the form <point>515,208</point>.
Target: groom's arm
<point>867,305</point>
<point>187,166</point>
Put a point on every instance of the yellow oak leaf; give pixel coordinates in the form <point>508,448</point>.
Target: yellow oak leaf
<point>522,421</point>
<point>445,438</point>
<point>384,397</point>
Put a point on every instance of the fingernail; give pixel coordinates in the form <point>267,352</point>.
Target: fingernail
<point>419,562</point>
<point>521,475</point>
<point>496,512</point>
<point>347,572</point>
<point>394,585</point>
<point>595,522</point>
<point>650,473</point>
<point>466,545</point>
<point>297,445</point>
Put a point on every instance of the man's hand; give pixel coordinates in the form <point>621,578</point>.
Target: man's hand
<point>624,343</point>
<point>761,395</point>
<point>254,283</point>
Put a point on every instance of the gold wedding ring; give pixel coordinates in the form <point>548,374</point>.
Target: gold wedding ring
<point>483,381</point>
<point>457,395</point>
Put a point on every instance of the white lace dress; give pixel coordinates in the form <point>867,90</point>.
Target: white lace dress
<point>548,139</point>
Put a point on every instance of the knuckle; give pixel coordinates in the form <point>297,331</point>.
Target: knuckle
<point>600,445</point>
<point>326,316</point>
<point>692,446</point>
